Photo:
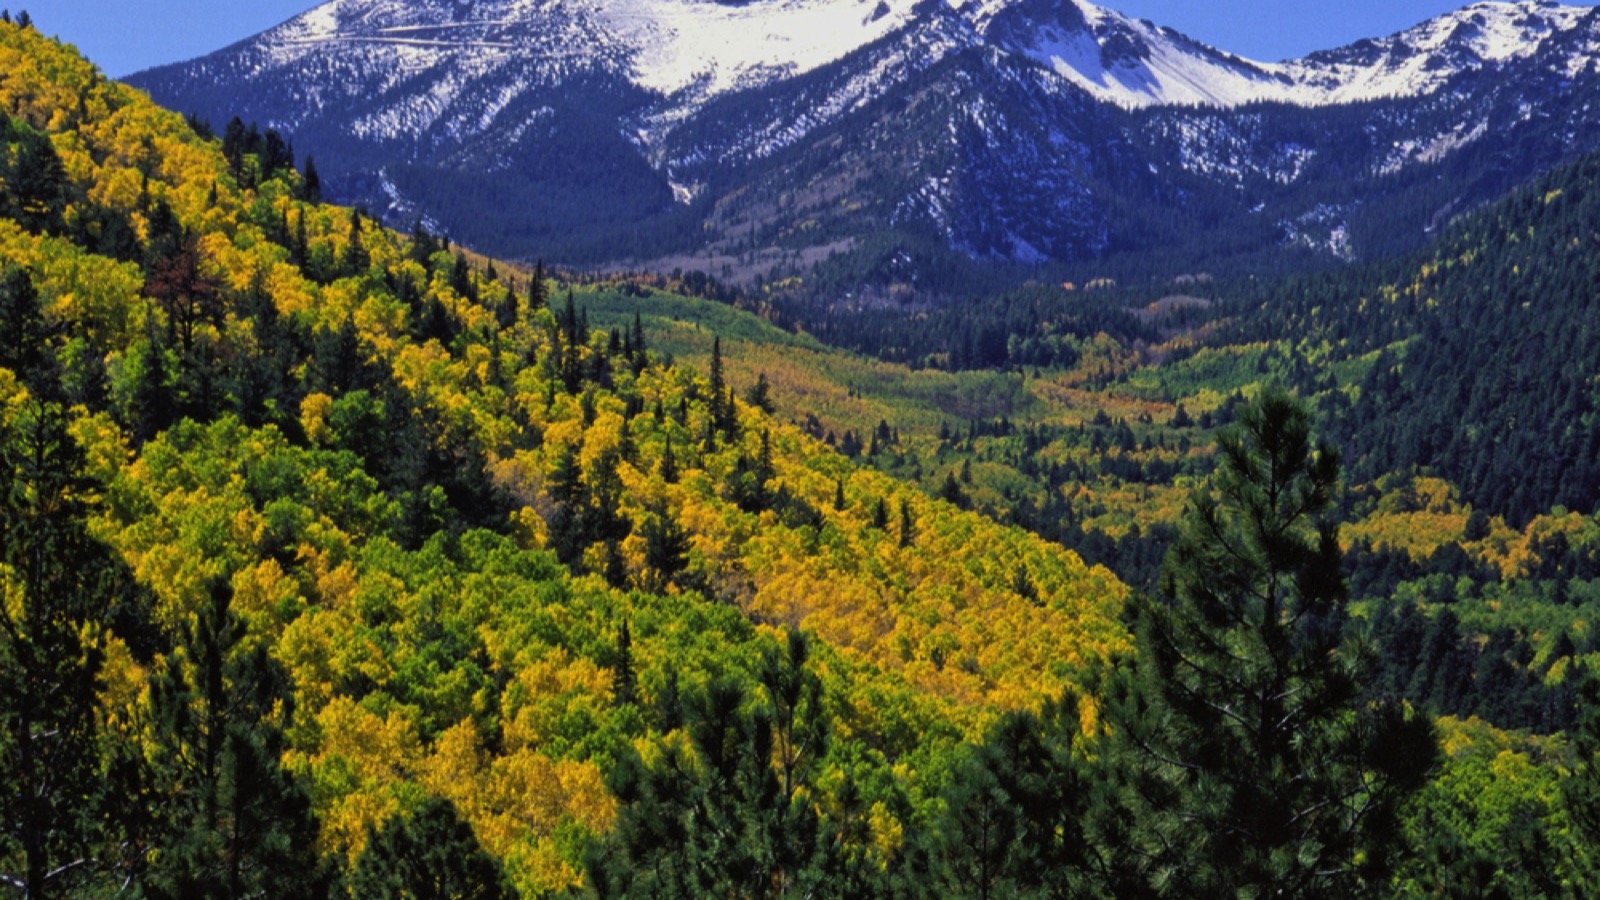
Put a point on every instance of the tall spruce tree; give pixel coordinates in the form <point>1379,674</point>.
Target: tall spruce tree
<point>538,292</point>
<point>1253,764</point>
<point>60,584</point>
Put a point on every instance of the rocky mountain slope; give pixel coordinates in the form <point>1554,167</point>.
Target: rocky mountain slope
<point>770,134</point>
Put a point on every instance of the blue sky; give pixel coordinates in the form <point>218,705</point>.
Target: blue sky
<point>124,36</point>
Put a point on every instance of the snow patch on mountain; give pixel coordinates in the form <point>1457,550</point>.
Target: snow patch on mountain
<point>708,48</point>
<point>690,52</point>
<point>1136,64</point>
<point>1420,60</point>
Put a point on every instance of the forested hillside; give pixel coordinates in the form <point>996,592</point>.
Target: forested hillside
<point>1085,416</point>
<point>338,560</point>
<point>317,524</point>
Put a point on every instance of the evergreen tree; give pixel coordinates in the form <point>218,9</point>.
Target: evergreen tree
<point>615,570</point>
<point>1014,811</point>
<point>1580,790</point>
<point>624,682</point>
<point>311,182</point>
<point>760,395</point>
<point>356,258</point>
<point>235,824</point>
<point>718,383</point>
<point>36,182</point>
<point>462,280</point>
<point>24,333</point>
<point>538,294</point>
<point>276,155</point>
<point>951,492</point>
<point>666,549</point>
<point>509,311</point>
<point>766,469</point>
<point>667,708</point>
<point>60,586</point>
<point>1254,765</point>
<point>880,515</point>
<point>430,855</point>
<point>739,819</point>
<point>668,467</point>
<point>234,146</point>
<point>1023,584</point>
<point>637,336</point>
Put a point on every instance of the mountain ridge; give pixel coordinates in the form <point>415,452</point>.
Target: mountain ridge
<point>639,130</point>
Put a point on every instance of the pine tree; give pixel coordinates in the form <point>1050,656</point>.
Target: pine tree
<point>311,182</point>
<point>234,145</point>
<point>235,823</point>
<point>760,395</point>
<point>880,515</point>
<point>1580,790</point>
<point>36,183</point>
<point>61,584</point>
<point>766,470</point>
<point>1014,813</point>
<point>356,258</point>
<point>1254,764</point>
<point>429,855</point>
<point>537,292</point>
<point>624,682</point>
<point>615,569</point>
<point>24,333</point>
<point>950,491</point>
<point>668,467</point>
<point>509,312</point>
<point>739,820</point>
<point>462,280</point>
<point>666,709</point>
<point>300,244</point>
<point>718,383</point>
<point>666,549</point>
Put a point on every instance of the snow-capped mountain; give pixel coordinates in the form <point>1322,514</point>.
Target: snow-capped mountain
<point>1020,129</point>
<point>1138,64</point>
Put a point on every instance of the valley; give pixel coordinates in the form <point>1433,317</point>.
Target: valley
<point>875,542</point>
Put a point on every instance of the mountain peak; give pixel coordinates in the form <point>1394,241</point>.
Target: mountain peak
<point>708,121</point>
<point>1423,58</point>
